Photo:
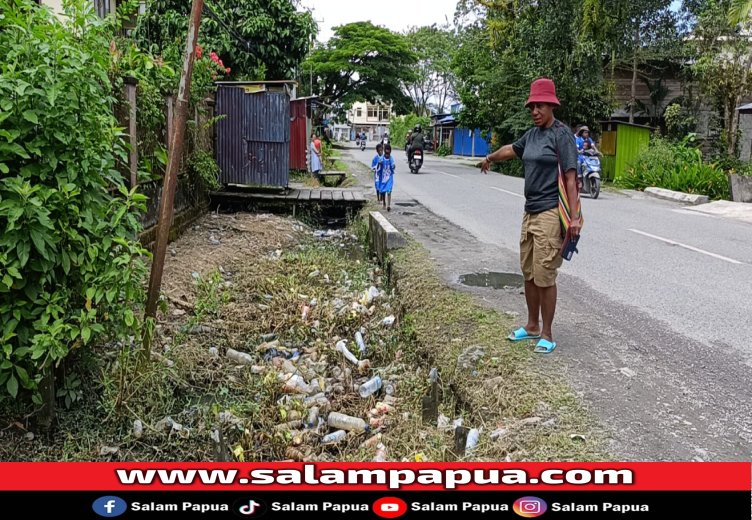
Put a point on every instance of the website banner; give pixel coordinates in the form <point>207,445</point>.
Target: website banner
<point>529,490</point>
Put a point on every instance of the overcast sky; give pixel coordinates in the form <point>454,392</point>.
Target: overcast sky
<point>396,15</point>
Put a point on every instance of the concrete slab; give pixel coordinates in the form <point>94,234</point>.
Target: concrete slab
<point>383,236</point>
<point>677,196</point>
<point>733,210</point>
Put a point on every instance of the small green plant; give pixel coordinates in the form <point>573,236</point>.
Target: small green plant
<point>205,169</point>
<point>443,151</point>
<point>211,296</point>
<point>71,390</point>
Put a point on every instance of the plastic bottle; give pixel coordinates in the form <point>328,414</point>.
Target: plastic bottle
<point>384,408</point>
<point>389,388</point>
<point>138,429</point>
<point>335,437</point>
<point>361,343</point>
<point>296,384</point>
<point>380,454</point>
<point>370,387</point>
<point>288,367</point>
<point>346,422</point>
<point>472,439</point>
<point>313,417</point>
<point>239,357</point>
<point>342,348</point>
<point>370,443</point>
<point>292,425</point>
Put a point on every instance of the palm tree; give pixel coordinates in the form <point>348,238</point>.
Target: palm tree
<point>739,11</point>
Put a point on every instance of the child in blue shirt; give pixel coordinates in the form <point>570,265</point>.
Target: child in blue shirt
<point>376,166</point>
<point>385,181</point>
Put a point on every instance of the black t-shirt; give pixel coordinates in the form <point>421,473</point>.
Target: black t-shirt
<point>537,149</point>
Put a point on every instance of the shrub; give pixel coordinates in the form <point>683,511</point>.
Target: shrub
<point>677,167</point>
<point>443,151</point>
<point>70,271</point>
<point>204,168</point>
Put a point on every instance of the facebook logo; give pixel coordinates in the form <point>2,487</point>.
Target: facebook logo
<point>109,506</point>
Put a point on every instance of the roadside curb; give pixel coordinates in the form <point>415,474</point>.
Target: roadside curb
<point>383,236</point>
<point>676,196</point>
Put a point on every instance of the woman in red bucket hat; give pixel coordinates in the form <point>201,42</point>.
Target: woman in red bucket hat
<point>543,149</point>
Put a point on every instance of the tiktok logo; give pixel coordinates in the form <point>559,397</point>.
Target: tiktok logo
<point>249,507</point>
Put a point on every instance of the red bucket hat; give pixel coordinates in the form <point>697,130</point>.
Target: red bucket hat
<point>543,91</point>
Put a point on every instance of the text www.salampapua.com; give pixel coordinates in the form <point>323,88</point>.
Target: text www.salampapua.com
<point>395,479</point>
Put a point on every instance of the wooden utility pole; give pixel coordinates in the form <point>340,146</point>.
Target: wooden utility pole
<point>171,175</point>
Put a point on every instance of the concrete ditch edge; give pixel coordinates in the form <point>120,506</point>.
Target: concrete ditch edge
<point>383,236</point>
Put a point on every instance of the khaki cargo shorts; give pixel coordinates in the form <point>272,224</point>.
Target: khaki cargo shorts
<point>540,246</point>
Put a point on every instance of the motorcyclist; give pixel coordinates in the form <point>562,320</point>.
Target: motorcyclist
<point>417,141</point>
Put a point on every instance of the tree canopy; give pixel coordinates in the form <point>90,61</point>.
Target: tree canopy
<point>362,62</point>
<point>278,36</point>
<point>509,45</point>
<point>433,84</point>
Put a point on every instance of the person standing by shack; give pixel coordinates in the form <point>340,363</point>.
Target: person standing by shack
<point>316,166</point>
<point>544,149</point>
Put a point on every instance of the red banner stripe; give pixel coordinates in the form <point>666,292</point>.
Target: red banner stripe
<point>643,476</point>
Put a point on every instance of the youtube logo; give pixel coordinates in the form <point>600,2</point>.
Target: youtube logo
<point>390,507</point>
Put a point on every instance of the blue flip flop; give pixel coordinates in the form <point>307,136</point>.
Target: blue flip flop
<point>544,347</point>
<point>520,335</point>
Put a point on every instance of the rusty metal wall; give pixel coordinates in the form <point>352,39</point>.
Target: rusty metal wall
<point>253,141</point>
<point>298,137</point>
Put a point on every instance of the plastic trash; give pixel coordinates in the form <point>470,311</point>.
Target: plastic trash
<point>389,321</point>
<point>457,423</point>
<point>164,424</point>
<point>239,357</point>
<point>335,437</point>
<point>360,342</point>
<point>370,387</point>
<point>346,422</point>
<point>288,367</point>
<point>473,437</point>
<point>433,376</point>
<point>314,274</point>
<point>370,443</point>
<point>364,365</point>
<point>443,422</point>
<point>313,417</point>
<point>292,425</point>
<point>342,348</point>
<point>380,454</point>
<point>214,352</point>
<point>497,434</point>
<point>296,384</point>
<point>306,311</point>
<point>138,429</point>
<point>384,408</point>
<point>389,388</point>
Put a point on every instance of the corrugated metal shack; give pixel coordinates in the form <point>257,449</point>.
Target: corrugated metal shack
<point>253,140</point>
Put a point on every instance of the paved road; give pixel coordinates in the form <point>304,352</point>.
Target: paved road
<point>658,289</point>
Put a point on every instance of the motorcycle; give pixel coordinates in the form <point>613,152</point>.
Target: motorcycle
<point>417,162</point>
<point>590,175</point>
<point>362,145</point>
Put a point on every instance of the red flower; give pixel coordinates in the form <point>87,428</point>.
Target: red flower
<point>214,77</point>
<point>227,70</point>
<point>221,64</point>
<point>199,51</point>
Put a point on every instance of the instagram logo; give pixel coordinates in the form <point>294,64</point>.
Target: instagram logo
<point>530,507</point>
